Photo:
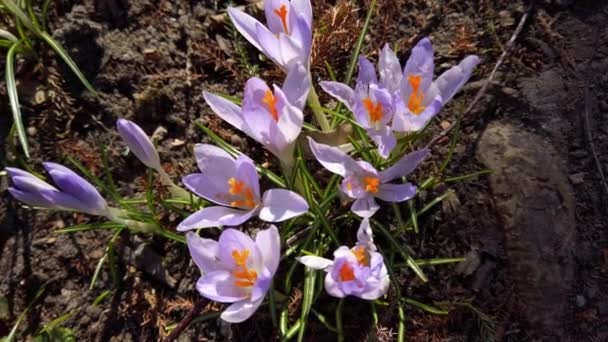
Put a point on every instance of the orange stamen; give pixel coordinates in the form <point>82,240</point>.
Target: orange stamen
<point>414,103</point>
<point>371,183</point>
<point>271,101</point>
<point>361,256</point>
<point>245,277</point>
<point>282,13</point>
<point>240,188</point>
<point>346,272</point>
<point>375,112</point>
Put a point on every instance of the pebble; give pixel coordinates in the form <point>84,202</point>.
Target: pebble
<point>577,178</point>
<point>580,301</point>
<point>32,131</point>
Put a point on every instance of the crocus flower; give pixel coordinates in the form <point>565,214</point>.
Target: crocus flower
<point>143,148</point>
<point>73,192</point>
<point>236,269</point>
<point>288,38</point>
<point>359,271</point>
<point>273,118</point>
<point>420,98</point>
<point>363,182</point>
<point>235,185</point>
<point>371,103</point>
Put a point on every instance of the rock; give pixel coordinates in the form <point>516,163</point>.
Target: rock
<point>536,206</point>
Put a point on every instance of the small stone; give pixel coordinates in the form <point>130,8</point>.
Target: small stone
<point>445,124</point>
<point>580,301</point>
<point>178,143</point>
<point>32,131</point>
<point>509,91</point>
<point>577,178</point>
<point>40,97</point>
<point>236,140</point>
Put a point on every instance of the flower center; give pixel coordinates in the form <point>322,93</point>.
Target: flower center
<point>271,102</point>
<point>243,192</point>
<point>375,111</point>
<point>245,277</point>
<point>282,13</point>
<point>361,256</point>
<point>371,183</point>
<point>346,272</point>
<point>414,103</point>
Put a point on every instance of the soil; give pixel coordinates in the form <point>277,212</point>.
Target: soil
<point>534,232</point>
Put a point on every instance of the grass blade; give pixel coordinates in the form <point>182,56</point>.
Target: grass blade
<point>13,96</point>
<point>355,56</point>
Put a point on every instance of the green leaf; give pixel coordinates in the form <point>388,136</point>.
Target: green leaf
<point>13,96</point>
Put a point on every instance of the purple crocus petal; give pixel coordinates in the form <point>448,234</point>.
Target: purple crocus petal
<point>365,207</point>
<point>246,25</point>
<point>301,36</point>
<point>273,20</point>
<point>382,96</point>
<point>367,73</point>
<point>74,185</point>
<point>315,262</point>
<point>227,110</point>
<point>341,92</point>
<point>404,166</point>
<point>304,8</point>
<point>215,216</point>
<point>396,192</point>
<point>389,69</point>
<point>269,44</point>
<point>365,235</point>
<point>420,63</point>
<point>280,205</point>
<point>266,130</point>
<point>291,118</point>
<point>138,143</point>
<point>297,86</point>
<point>261,286</point>
<point>269,244</point>
<point>291,52</point>
<point>384,139</point>
<point>246,172</point>
<point>333,159</point>
<point>332,287</point>
<point>219,286</point>
<point>367,168</point>
<point>453,79</point>
<point>352,187</point>
<point>214,162</point>
<point>203,252</point>
<point>33,199</point>
<point>232,240</point>
<point>405,121</point>
<point>207,188</point>
<point>240,311</point>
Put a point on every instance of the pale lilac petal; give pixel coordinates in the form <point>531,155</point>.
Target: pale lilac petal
<point>33,199</point>
<point>291,118</point>
<point>341,92</point>
<point>215,216</point>
<point>333,159</point>
<point>246,172</point>
<point>246,25</point>
<point>261,286</point>
<point>378,289</point>
<point>297,86</point>
<point>382,96</point>
<point>234,240</point>
<point>304,8</point>
<point>404,166</point>
<point>332,287</point>
<point>389,69</point>
<point>219,286</point>
<point>280,205</point>
<point>203,252</point>
<point>365,207</point>
<point>269,44</point>
<point>453,79</point>
<point>273,21</point>
<point>269,244</point>
<point>384,139</point>
<point>241,311</point>
<point>367,168</point>
<point>365,235</point>
<point>405,121</point>
<point>421,63</point>
<point>266,131</point>
<point>352,187</point>
<point>74,185</point>
<point>301,37</point>
<point>138,143</point>
<point>367,73</point>
<point>291,52</point>
<point>211,189</point>
<point>214,162</point>
<point>396,192</point>
<point>315,262</point>
<point>227,110</point>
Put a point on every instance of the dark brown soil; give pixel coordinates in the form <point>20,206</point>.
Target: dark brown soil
<point>534,274</point>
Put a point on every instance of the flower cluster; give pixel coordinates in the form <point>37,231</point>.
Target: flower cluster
<point>236,269</point>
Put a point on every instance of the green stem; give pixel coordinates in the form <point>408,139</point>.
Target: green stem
<point>315,105</point>
<point>339,324</point>
<point>175,190</point>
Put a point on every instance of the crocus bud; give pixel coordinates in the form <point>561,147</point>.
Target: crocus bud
<point>74,192</point>
<point>139,143</point>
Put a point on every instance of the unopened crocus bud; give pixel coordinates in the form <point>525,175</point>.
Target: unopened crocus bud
<point>139,143</point>
<point>73,192</point>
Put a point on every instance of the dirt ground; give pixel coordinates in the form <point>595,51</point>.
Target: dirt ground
<point>535,231</point>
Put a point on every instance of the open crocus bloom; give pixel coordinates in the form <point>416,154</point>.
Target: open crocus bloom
<point>74,192</point>
<point>363,182</point>
<point>236,269</point>
<point>274,117</point>
<point>288,38</point>
<point>359,271</point>
<point>235,185</point>
<point>370,102</point>
<point>420,98</point>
